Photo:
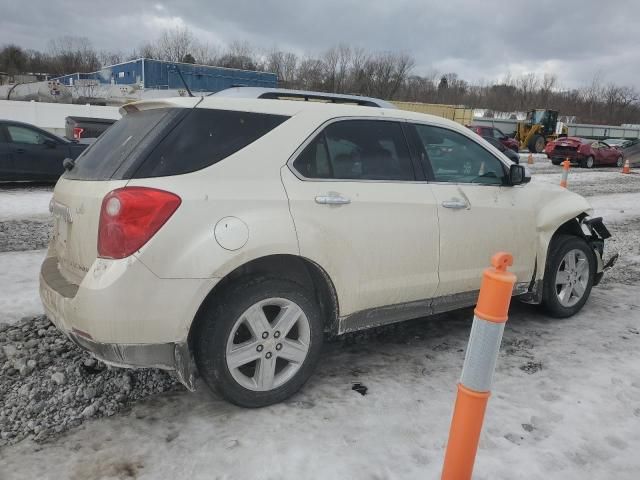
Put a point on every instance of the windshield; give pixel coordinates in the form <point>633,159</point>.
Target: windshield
<point>536,116</point>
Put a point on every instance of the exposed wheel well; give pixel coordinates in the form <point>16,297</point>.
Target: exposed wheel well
<point>570,227</point>
<point>291,267</point>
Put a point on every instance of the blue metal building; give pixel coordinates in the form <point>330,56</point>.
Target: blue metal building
<point>158,74</point>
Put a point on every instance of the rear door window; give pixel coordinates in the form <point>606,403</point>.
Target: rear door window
<point>358,150</point>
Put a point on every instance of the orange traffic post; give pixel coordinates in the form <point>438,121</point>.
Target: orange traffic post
<point>627,167</point>
<point>474,387</point>
<point>530,159</point>
<point>565,173</point>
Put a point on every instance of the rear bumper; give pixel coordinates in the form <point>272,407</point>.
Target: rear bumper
<point>573,157</point>
<point>166,356</point>
<point>124,315</point>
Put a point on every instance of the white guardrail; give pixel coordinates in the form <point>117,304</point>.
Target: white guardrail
<point>51,116</point>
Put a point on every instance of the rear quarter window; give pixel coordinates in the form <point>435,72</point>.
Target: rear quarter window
<point>203,138</point>
<point>117,151</point>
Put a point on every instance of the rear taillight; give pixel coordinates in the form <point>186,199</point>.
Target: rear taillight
<point>77,133</point>
<point>130,216</point>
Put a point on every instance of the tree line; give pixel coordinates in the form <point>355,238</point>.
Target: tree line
<point>345,69</point>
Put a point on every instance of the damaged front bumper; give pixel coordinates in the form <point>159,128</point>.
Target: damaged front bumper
<point>165,356</point>
<point>595,233</point>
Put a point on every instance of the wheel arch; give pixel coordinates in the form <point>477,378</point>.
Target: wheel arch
<point>568,224</point>
<point>296,268</point>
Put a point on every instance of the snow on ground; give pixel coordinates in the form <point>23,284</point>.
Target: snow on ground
<point>565,402</point>
<point>617,207</point>
<point>19,273</point>
<point>18,203</point>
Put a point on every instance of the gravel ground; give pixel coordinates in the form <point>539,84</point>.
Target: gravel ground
<point>49,385</point>
<point>21,235</point>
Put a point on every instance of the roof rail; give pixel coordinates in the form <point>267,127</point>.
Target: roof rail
<point>286,94</point>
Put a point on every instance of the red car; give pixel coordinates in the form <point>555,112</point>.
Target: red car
<point>493,132</point>
<point>584,152</point>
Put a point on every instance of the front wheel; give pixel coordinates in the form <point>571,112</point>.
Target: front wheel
<point>259,342</point>
<point>589,162</point>
<point>619,162</point>
<point>536,144</point>
<point>568,276</point>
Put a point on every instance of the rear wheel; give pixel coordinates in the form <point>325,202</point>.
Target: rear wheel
<point>568,276</point>
<point>260,342</point>
<point>536,144</point>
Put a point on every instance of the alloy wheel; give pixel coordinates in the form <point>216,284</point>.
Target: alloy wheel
<point>572,278</point>
<point>268,344</point>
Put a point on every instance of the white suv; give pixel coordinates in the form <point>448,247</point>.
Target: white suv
<point>226,235</point>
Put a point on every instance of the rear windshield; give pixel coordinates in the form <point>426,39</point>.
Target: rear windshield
<point>169,141</point>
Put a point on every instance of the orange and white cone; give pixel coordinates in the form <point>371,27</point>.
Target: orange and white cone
<point>627,167</point>
<point>474,387</point>
<point>530,159</point>
<point>565,173</point>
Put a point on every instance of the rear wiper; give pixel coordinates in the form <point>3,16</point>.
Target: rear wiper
<point>68,164</point>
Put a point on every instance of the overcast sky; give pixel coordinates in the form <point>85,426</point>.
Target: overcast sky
<point>479,40</point>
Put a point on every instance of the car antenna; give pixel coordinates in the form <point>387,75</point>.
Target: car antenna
<point>175,68</point>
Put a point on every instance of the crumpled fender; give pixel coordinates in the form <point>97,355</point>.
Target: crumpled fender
<point>561,205</point>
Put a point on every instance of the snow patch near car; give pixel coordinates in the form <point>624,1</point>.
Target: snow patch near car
<point>19,285</point>
<point>18,203</point>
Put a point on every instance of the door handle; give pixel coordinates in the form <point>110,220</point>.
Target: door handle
<point>455,204</point>
<point>332,199</point>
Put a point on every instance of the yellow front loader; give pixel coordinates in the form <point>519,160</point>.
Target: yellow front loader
<point>539,128</point>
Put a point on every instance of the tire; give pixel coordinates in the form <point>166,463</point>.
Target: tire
<point>620,162</point>
<point>536,144</point>
<point>556,303</point>
<point>555,162</point>
<point>225,325</point>
<point>588,162</point>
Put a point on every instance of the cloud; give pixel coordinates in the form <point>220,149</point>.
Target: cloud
<point>478,40</point>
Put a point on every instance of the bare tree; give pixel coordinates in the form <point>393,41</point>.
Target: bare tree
<point>239,55</point>
<point>284,65</point>
<point>107,58</point>
<point>73,54</point>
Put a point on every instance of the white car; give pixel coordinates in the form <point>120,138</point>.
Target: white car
<point>225,236</point>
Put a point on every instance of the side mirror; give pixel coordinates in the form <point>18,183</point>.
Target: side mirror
<point>518,175</point>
